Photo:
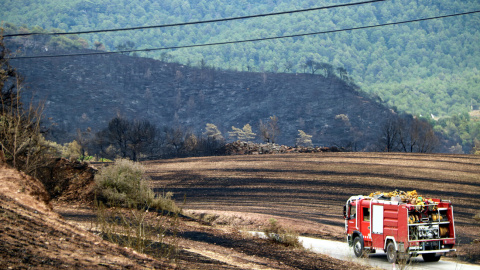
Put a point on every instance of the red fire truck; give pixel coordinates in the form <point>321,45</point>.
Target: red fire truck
<point>401,229</point>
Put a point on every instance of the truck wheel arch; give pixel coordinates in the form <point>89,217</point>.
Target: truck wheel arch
<point>390,239</point>
<point>359,234</point>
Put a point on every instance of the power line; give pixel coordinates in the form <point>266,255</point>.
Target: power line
<point>196,22</point>
<point>251,40</point>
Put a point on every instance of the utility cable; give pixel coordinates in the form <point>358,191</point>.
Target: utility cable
<point>251,40</point>
<point>195,22</point>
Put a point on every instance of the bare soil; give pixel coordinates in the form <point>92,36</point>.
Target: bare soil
<point>200,244</point>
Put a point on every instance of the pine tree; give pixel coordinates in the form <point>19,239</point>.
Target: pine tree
<point>304,139</point>
<point>212,132</point>
<point>244,134</point>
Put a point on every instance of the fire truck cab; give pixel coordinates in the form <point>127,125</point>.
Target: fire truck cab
<point>401,229</point>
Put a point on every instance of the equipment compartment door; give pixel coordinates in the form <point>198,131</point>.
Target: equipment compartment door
<point>377,219</point>
<point>377,226</point>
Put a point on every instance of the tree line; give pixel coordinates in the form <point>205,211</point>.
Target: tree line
<point>427,69</point>
<point>136,139</point>
<point>140,139</point>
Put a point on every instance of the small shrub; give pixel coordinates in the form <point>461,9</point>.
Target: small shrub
<point>72,150</point>
<point>86,158</point>
<point>101,159</point>
<point>139,229</point>
<point>125,184</point>
<point>277,234</point>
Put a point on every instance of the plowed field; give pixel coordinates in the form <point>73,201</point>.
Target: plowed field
<point>307,191</point>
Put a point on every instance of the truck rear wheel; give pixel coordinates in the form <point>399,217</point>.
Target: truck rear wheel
<point>358,246</point>
<point>431,257</point>
<point>391,252</point>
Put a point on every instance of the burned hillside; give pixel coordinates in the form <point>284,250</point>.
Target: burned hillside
<point>88,91</point>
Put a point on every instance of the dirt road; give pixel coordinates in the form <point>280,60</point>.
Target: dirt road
<point>341,250</point>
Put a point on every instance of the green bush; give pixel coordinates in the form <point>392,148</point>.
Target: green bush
<point>125,184</point>
<point>72,150</point>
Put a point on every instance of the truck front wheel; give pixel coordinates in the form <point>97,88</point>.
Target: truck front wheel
<point>391,252</point>
<point>431,257</point>
<point>358,246</point>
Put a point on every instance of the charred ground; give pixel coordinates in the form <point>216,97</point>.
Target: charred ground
<point>227,195</point>
<point>307,191</point>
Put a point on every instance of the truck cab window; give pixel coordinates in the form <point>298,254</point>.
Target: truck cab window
<point>366,214</point>
<point>353,211</point>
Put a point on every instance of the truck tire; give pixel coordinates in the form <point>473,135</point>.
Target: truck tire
<point>391,252</point>
<point>358,246</point>
<point>431,257</point>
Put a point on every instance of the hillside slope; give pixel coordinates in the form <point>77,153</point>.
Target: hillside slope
<point>32,235</point>
<point>88,91</point>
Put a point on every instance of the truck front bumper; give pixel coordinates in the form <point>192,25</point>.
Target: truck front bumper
<point>431,251</point>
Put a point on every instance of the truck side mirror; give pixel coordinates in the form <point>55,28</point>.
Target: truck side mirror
<point>345,212</point>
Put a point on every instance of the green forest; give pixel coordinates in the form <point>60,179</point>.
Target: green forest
<point>429,68</point>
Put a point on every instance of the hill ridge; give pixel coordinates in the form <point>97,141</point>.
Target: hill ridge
<point>88,91</point>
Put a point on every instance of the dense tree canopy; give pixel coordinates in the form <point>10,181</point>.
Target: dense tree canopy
<point>428,68</point>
